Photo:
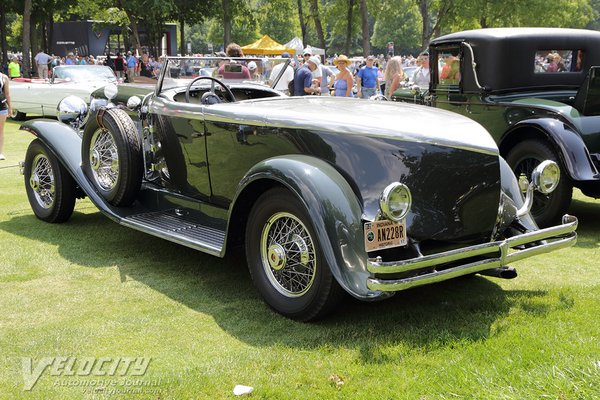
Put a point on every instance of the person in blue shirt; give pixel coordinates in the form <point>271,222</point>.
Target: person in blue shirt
<point>131,65</point>
<point>303,79</point>
<point>367,80</point>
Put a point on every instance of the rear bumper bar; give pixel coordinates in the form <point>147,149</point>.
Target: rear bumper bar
<point>495,255</point>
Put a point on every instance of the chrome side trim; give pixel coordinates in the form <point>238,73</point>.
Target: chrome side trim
<point>501,253</point>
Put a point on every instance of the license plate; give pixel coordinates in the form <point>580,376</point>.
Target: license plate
<point>384,234</point>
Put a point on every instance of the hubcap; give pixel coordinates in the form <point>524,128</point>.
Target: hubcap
<point>104,159</point>
<point>42,181</point>
<point>288,255</point>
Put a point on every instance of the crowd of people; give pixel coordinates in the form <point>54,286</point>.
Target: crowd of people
<point>126,66</point>
<point>363,78</point>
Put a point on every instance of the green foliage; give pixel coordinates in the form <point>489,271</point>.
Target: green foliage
<point>399,21</point>
<point>278,19</point>
<point>472,14</point>
<point>245,27</point>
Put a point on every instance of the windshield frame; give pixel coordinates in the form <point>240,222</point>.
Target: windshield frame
<point>167,82</point>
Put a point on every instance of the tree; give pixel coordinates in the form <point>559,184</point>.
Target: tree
<point>398,21</point>
<point>350,10</point>
<point>314,10</point>
<point>191,12</point>
<point>227,21</point>
<point>366,36</point>
<point>302,22</point>
<point>27,38</point>
<point>278,19</point>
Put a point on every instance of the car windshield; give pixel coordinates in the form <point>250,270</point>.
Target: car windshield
<point>84,73</point>
<point>179,71</point>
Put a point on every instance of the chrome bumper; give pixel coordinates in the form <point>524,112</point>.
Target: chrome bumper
<point>556,237</point>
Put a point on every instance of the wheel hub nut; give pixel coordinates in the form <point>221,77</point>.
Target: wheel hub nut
<point>276,257</point>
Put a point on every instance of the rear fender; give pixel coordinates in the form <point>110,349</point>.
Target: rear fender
<point>567,143</point>
<point>334,209</point>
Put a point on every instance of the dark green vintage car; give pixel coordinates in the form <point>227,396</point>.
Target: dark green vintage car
<point>327,195</point>
<point>536,90</point>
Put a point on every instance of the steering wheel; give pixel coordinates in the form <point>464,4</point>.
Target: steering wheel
<point>209,97</point>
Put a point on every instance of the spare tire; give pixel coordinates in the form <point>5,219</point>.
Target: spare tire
<point>111,154</point>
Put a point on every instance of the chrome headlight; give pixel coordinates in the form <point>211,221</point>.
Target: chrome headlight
<point>395,201</point>
<point>546,176</point>
<point>133,102</point>
<point>111,91</point>
<point>72,110</point>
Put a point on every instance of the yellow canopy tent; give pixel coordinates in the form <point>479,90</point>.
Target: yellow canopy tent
<point>266,45</point>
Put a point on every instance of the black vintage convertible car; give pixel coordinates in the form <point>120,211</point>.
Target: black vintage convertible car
<point>536,90</point>
<point>328,195</point>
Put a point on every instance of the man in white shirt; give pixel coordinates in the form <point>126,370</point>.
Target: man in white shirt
<point>42,59</point>
<point>288,75</point>
<point>421,74</point>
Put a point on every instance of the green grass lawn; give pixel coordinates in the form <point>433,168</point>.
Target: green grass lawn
<point>91,288</point>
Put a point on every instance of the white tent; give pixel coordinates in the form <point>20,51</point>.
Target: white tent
<point>296,44</point>
<point>316,51</point>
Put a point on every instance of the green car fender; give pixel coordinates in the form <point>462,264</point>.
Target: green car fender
<point>567,143</point>
<point>334,209</point>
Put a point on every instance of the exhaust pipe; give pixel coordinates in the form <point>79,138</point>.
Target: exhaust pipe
<point>505,272</point>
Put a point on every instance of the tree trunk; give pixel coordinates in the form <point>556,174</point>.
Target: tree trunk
<point>35,46</point>
<point>3,33</point>
<point>302,24</point>
<point>50,32</point>
<point>136,35</point>
<point>27,38</point>
<point>182,50</point>
<point>227,17</point>
<point>349,27</point>
<point>425,26</point>
<point>366,36</point>
<point>314,10</point>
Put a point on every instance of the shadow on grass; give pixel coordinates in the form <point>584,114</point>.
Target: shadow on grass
<point>427,317</point>
<point>588,235</point>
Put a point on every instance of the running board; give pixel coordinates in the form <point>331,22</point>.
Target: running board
<point>179,226</point>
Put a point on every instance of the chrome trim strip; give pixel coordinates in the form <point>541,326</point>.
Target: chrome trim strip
<point>562,236</point>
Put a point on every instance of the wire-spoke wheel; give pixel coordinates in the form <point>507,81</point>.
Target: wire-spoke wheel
<point>285,258</point>
<point>111,156</point>
<point>104,159</point>
<point>547,209</point>
<point>50,188</point>
<point>288,255</point>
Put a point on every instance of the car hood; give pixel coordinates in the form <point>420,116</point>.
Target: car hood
<point>359,117</point>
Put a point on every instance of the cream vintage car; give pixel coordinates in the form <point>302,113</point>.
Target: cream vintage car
<point>41,96</point>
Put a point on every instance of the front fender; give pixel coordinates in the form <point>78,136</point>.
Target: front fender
<point>568,144</point>
<point>65,143</point>
<point>335,212</point>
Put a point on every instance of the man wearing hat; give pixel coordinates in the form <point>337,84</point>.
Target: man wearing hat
<point>286,77</point>
<point>304,77</point>
<point>367,79</point>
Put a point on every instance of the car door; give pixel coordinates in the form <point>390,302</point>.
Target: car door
<point>179,128</point>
